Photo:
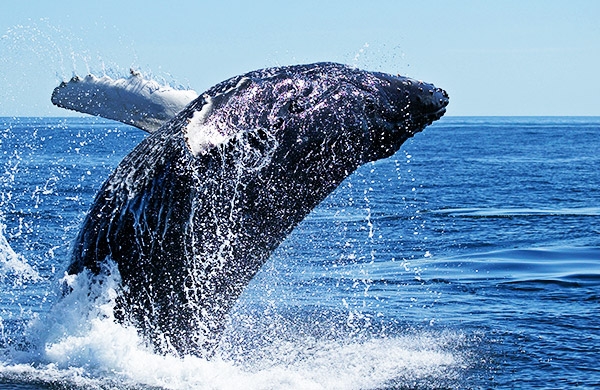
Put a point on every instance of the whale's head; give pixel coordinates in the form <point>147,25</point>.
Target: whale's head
<point>396,108</point>
<point>361,115</point>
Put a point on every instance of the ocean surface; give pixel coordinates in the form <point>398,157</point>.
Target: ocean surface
<point>469,259</point>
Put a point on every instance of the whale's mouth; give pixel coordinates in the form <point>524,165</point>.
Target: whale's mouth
<point>434,106</point>
<point>437,101</point>
<point>433,112</point>
<point>408,107</point>
<point>436,115</point>
<point>412,104</point>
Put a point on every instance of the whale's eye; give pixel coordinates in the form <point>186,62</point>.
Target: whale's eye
<point>295,107</point>
<point>370,106</point>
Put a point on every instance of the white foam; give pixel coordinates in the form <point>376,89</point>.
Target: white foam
<point>326,365</point>
<point>134,100</point>
<point>80,344</point>
<point>13,264</point>
<point>109,353</point>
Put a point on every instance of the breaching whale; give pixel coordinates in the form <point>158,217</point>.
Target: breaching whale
<point>194,211</point>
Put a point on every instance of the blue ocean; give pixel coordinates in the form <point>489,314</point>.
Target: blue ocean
<point>468,260</point>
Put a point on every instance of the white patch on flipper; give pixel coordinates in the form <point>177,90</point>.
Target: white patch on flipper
<point>135,100</point>
<point>201,135</point>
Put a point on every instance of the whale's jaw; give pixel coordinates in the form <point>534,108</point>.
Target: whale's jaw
<point>404,107</point>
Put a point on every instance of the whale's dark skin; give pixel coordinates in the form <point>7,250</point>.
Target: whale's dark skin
<point>189,222</point>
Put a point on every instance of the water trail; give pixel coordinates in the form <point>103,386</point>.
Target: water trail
<point>12,265</point>
<point>386,57</point>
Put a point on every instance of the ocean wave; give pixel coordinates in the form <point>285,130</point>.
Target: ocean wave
<point>559,265</point>
<point>476,212</point>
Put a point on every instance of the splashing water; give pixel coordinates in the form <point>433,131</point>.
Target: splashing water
<point>78,343</point>
<point>12,265</point>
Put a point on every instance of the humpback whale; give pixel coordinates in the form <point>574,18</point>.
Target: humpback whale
<point>194,211</point>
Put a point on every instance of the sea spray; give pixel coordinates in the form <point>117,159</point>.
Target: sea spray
<point>14,266</point>
<point>78,343</point>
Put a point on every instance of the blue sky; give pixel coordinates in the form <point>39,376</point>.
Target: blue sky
<point>494,58</point>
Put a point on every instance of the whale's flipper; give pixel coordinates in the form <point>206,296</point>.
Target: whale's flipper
<point>134,101</point>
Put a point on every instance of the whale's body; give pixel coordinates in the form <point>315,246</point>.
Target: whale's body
<point>194,211</point>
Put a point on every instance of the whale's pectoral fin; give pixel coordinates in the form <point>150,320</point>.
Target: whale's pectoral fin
<point>135,100</point>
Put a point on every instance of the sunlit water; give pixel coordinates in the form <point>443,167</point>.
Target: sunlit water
<point>470,259</point>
